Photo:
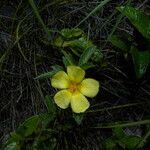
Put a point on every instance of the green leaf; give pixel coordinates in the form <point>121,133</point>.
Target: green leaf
<point>86,55</point>
<point>45,119</point>
<point>110,144</point>
<point>31,125</point>
<point>65,61</point>
<point>97,56</point>
<point>15,137</point>
<point>77,42</point>
<point>44,143</point>
<point>46,75</point>
<point>140,20</point>
<point>71,33</point>
<point>141,60</point>
<point>118,132</point>
<point>119,43</point>
<point>69,58</point>
<point>51,108</point>
<point>58,42</point>
<point>78,118</point>
<point>12,146</point>
<point>130,142</point>
<point>28,127</point>
<point>56,68</point>
<point>87,66</point>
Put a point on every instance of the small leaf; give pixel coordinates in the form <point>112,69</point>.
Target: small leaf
<point>97,56</point>
<point>69,58</point>
<point>86,55</point>
<point>58,42</point>
<point>140,20</point>
<point>141,60</point>
<point>65,61</point>
<point>78,118</point>
<point>118,132</point>
<point>71,33</point>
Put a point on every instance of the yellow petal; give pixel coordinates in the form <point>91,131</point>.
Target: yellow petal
<point>79,103</point>
<point>89,87</point>
<point>62,98</point>
<point>60,80</point>
<point>75,73</point>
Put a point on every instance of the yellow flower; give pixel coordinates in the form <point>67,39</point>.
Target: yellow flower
<point>74,88</point>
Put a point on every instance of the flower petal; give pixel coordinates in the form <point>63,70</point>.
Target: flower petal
<point>89,87</point>
<point>79,103</point>
<point>62,98</point>
<point>60,80</point>
<point>75,73</point>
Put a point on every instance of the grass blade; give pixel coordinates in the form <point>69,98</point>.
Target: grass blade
<point>36,12</point>
<point>127,124</point>
<point>93,11</point>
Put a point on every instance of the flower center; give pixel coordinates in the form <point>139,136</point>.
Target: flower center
<point>73,87</point>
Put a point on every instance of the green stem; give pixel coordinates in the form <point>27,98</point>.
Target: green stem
<point>113,107</point>
<point>128,124</point>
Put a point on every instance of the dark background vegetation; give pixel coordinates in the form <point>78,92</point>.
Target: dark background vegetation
<point>26,53</point>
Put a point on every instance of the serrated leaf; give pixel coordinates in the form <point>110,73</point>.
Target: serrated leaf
<point>50,73</point>
<point>69,58</point>
<point>46,75</point>
<point>86,55</point>
<point>77,42</point>
<point>97,56</point>
<point>141,60</point>
<point>71,33</point>
<point>138,18</point>
<point>58,42</point>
